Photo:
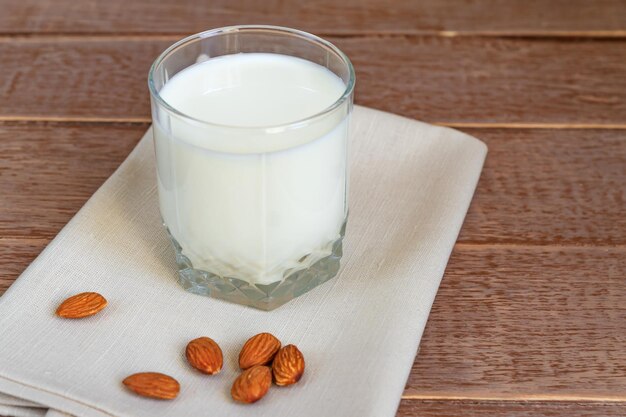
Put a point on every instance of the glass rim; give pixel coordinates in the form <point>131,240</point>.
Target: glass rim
<point>268,128</point>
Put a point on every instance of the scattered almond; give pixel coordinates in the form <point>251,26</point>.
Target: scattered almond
<point>205,355</point>
<point>153,385</point>
<point>81,305</point>
<point>258,350</point>
<point>288,366</point>
<point>252,384</point>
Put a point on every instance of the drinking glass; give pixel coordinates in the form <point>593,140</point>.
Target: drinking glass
<point>256,214</point>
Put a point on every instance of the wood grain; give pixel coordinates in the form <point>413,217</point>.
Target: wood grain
<point>530,319</point>
<point>538,187</point>
<point>440,80</point>
<point>526,323</point>
<point>542,186</point>
<point>493,17</point>
<point>413,408</point>
<point>48,172</point>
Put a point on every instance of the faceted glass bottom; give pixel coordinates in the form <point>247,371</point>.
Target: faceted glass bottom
<point>264,297</point>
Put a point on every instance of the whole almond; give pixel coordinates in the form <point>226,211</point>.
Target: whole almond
<point>288,366</point>
<point>81,305</point>
<point>252,384</point>
<point>153,385</point>
<point>258,350</point>
<point>205,355</point>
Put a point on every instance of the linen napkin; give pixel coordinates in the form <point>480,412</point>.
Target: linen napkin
<point>411,184</point>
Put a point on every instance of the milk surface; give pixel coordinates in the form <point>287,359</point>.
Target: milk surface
<point>254,204</point>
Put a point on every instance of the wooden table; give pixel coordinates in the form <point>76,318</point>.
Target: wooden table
<point>530,319</point>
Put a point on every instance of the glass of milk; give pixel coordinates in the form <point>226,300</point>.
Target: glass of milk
<point>250,128</point>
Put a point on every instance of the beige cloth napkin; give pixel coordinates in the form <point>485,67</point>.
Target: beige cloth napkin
<point>411,184</point>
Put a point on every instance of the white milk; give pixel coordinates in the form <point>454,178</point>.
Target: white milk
<point>241,202</point>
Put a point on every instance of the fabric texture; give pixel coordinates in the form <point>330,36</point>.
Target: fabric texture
<point>410,187</point>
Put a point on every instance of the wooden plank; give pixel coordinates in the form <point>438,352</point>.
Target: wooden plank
<point>539,187</point>
<point>323,16</point>
<point>540,323</point>
<point>440,80</point>
<point>48,172</point>
<point>414,408</point>
<point>526,324</point>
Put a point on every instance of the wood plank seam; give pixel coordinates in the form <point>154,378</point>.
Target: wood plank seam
<point>548,34</point>
<point>464,245</point>
<point>517,397</point>
<point>78,120</point>
<point>467,408</point>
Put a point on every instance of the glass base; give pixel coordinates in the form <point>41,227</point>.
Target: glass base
<point>264,297</point>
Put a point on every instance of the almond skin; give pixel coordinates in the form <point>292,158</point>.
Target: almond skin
<point>252,384</point>
<point>288,366</point>
<point>205,355</point>
<point>153,385</point>
<point>258,350</point>
<point>81,305</point>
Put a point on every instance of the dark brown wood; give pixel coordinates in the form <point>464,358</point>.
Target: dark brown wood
<point>539,187</point>
<point>441,80</point>
<point>547,186</point>
<point>531,316</point>
<point>322,16</point>
<point>526,323</point>
<point>47,172</point>
<point>414,408</point>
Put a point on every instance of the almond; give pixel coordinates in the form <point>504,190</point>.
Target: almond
<point>258,350</point>
<point>252,384</point>
<point>81,305</point>
<point>288,366</point>
<point>205,355</point>
<point>153,385</point>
